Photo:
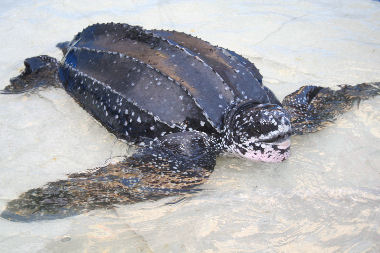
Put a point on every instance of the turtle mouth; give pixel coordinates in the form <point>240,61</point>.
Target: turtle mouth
<point>283,144</point>
<point>266,152</point>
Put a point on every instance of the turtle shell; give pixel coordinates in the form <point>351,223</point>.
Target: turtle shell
<point>140,83</point>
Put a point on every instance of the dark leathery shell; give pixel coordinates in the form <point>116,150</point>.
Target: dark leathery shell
<point>172,80</point>
<point>208,90</point>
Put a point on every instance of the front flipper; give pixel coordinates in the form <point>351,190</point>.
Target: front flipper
<point>313,107</point>
<point>40,71</point>
<point>170,166</point>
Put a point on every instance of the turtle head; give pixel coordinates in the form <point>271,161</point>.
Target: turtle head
<point>258,132</point>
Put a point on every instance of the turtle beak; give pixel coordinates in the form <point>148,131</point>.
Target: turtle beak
<point>268,152</point>
<point>283,145</point>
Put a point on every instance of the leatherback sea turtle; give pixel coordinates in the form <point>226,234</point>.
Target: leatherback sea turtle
<point>184,100</point>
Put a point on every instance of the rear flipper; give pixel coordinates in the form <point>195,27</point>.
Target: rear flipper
<point>40,71</point>
<point>312,108</point>
<point>174,165</point>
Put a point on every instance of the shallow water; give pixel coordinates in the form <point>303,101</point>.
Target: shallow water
<point>326,197</point>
